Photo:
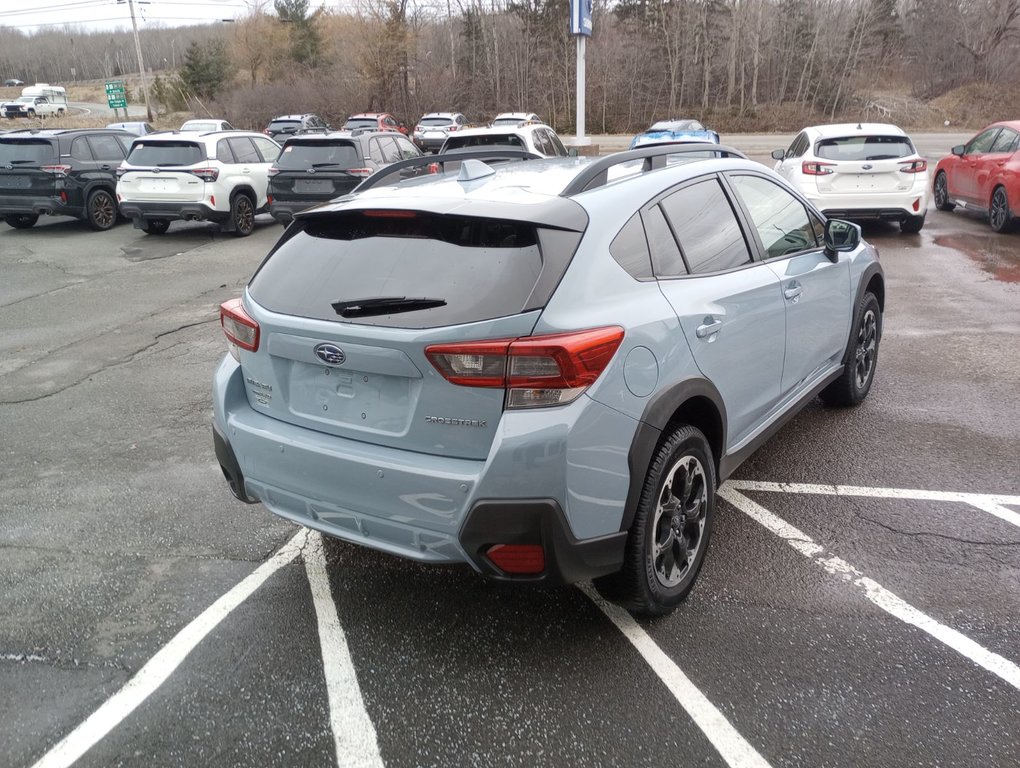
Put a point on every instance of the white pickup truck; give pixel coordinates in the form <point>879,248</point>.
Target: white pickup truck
<point>39,100</point>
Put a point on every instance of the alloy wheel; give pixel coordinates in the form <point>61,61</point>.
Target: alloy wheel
<point>245,217</point>
<point>102,210</point>
<point>941,194</point>
<point>1000,210</point>
<point>867,344</point>
<point>679,524</point>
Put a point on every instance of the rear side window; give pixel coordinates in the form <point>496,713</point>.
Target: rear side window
<point>26,152</point>
<point>707,228</point>
<point>106,148</point>
<point>244,150</point>
<point>165,154</point>
<point>302,155</point>
<point>482,268</point>
<point>864,148</point>
<point>630,249</point>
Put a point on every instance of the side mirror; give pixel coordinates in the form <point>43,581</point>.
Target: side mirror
<point>778,154</point>
<point>840,237</point>
<point>572,151</point>
<point>959,150</point>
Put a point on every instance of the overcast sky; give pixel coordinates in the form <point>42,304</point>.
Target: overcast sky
<point>109,14</point>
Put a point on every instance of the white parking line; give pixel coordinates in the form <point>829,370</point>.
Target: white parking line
<point>991,503</point>
<point>353,732</point>
<point>161,666</point>
<point>732,747</point>
<point>875,592</point>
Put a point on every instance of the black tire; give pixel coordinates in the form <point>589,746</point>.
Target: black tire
<point>999,215</point>
<point>100,210</point>
<point>21,220</point>
<point>242,215</point>
<point>855,382</point>
<point>942,193</point>
<point>155,226</point>
<point>911,225</point>
<point>30,112</point>
<point>652,581</point>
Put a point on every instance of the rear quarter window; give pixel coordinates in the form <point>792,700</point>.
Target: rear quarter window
<point>482,268</point>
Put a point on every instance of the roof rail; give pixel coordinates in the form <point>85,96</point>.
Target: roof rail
<point>596,174</point>
<point>439,161</point>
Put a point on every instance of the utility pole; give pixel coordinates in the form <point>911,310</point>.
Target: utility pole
<point>141,65</point>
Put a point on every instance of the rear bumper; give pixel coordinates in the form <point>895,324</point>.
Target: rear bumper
<point>284,211</point>
<point>37,205</point>
<point>140,211</point>
<point>436,509</point>
<point>872,207</point>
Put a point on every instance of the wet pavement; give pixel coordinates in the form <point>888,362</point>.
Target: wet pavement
<point>858,606</point>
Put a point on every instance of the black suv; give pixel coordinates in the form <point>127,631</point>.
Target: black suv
<point>63,173</point>
<point>314,168</point>
<point>281,127</point>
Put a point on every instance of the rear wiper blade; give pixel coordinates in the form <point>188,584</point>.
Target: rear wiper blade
<point>384,306</point>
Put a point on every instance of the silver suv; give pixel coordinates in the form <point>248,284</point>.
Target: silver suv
<point>542,368</point>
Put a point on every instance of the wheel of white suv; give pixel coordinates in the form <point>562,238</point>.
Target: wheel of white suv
<point>671,530</point>
<point>21,220</point>
<point>101,210</point>
<point>854,384</point>
<point>155,226</point>
<point>242,215</point>
<point>912,225</point>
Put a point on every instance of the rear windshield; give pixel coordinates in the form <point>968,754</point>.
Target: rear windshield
<point>485,140</point>
<point>26,152</point>
<point>864,148</point>
<point>434,121</point>
<point>300,156</point>
<point>164,154</point>
<point>482,268</point>
<point>367,122</point>
<point>284,125</point>
<point>200,127</point>
<point>507,120</point>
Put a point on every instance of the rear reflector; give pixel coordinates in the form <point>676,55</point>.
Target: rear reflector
<point>518,558</point>
<point>536,371</point>
<point>238,326</point>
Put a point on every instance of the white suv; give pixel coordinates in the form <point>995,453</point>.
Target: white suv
<point>219,176</point>
<point>537,138</point>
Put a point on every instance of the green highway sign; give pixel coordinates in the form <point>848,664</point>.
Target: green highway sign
<point>112,86</point>
<point>116,94</point>
<point>117,103</point>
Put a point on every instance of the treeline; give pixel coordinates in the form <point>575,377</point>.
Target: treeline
<point>647,59</point>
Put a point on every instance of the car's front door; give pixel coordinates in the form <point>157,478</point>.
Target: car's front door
<point>730,308</point>
<point>815,289</point>
<point>988,167</point>
<point>963,184</point>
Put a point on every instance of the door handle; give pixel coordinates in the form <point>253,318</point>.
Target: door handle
<point>794,291</point>
<point>246,170</point>
<point>104,167</point>
<point>710,327</point>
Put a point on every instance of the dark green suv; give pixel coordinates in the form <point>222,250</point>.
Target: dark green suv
<point>61,173</point>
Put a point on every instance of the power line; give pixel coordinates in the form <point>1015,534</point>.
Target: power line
<point>62,6</point>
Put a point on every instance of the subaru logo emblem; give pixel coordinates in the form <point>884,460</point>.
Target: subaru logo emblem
<point>331,354</point>
<point>155,170</point>
<point>867,167</point>
<point>10,167</point>
<point>311,170</point>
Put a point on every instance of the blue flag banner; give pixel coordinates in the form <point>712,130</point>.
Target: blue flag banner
<point>580,17</point>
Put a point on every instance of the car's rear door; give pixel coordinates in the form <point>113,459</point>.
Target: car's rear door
<point>816,290</point>
<point>731,308</point>
<point>250,168</point>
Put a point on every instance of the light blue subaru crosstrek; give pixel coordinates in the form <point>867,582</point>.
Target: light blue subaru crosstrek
<point>542,368</point>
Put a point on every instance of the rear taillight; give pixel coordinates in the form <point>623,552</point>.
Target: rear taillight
<point>816,169</point>
<point>272,171</point>
<point>57,170</point>
<point>418,129</point>
<point>453,128</point>
<point>241,331</point>
<point>206,174</point>
<point>362,172</point>
<point>536,371</point>
<point>914,166</point>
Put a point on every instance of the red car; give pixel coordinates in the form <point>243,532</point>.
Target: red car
<point>984,174</point>
<point>382,121</point>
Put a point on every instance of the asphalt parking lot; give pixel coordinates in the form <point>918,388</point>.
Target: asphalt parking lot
<point>859,605</point>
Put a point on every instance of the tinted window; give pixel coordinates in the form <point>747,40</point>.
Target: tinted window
<point>165,153</point>
<point>666,258</point>
<point>26,152</point>
<point>244,150</point>
<point>485,140</point>
<point>707,228</point>
<point>436,121</point>
<point>375,151</point>
<point>80,149</point>
<point>106,148</point>
<point>361,122</point>
<point>193,125</point>
<point>390,153</point>
<point>780,218</point>
<point>223,153</point>
<point>798,146</point>
<point>269,150</point>
<point>542,143</point>
<point>482,268</point>
<point>864,148</point>
<point>302,155</point>
<point>630,249</point>
<point>407,149</point>
<point>1006,141</point>
<point>560,149</point>
<point>983,141</point>
<point>288,126</point>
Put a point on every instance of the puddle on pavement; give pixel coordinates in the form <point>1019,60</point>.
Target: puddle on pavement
<point>998,255</point>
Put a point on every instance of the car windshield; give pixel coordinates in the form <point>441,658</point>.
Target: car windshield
<point>436,122</point>
<point>200,126</point>
<point>164,154</point>
<point>864,148</point>
<point>26,99</point>
<point>677,125</point>
<point>284,125</point>
<point>300,156</point>
<point>26,152</point>
<point>485,140</point>
<point>361,122</point>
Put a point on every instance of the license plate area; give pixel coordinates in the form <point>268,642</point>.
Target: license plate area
<point>15,182</point>
<point>313,186</point>
<point>157,185</point>
<point>353,399</point>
